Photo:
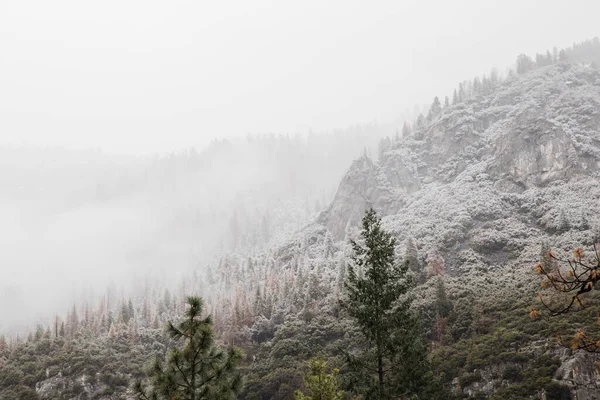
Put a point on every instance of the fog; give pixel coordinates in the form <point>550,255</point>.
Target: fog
<point>155,76</point>
<point>75,221</point>
<point>94,98</point>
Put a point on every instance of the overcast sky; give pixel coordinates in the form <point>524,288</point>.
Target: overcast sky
<point>154,76</point>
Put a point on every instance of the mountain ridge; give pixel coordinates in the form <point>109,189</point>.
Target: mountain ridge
<point>505,152</point>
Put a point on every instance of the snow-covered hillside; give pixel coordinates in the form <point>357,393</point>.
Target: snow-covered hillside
<point>481,189</point>
<point>492,178</point>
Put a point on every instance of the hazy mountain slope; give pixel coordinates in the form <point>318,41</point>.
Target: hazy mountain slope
<point>75,220</point>
<point>484,184</point>
<point>492,178</point>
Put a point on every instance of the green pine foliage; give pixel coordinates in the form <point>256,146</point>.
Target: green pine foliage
<point>377,299</point>
<point>318,384</point>
<point>198,369</point>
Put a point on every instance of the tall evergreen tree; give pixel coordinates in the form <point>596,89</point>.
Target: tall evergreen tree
<point>420,122</point>
<point>377,299</point>
<point>198,369</point>
<point>124,316</point>
<point>524,64</point>
<point>130,309</point>
<point>406,130</point>
<point>435,110</point>
<point>411,257</point>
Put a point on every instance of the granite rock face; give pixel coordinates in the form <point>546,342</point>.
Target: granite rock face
<point>491,175</point>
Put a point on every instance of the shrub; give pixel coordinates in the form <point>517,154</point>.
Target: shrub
<point>469,378</point>
<point>512,373</point>
<point>557,391</point>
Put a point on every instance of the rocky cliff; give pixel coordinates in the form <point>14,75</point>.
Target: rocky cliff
<point>489,177</point>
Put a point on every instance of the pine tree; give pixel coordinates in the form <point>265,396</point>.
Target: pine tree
<point>130,309</point>
<point>147,311</point>
<point>476,85</point>
<point>435,110</point>
<point>258,302</point>
<point>411,257</point>
<point>124,315</point>
<point>494,78</point>
<point>443,305</point>
<point>563,223</point>
<point>314,292</point>
<point>436,265</point>
<point>39,333</point>
<point>133,331</point>
<point>406,131</point>
<point>377,299</point>
<point>86,316</point>
<point>318,384</point>
<point>167,300</point>
<point>341,275</point>
<point>562,56</point>
<point>112,331</point>
<point>420,122</point>
<point>198,369</point>
<point>524,63</point>
<point>73,322</point>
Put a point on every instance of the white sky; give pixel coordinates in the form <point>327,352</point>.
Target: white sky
<point>153,76</point>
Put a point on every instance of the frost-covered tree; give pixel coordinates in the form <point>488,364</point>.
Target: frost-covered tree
<point>435,110</point>
<point>436,265</point>
<point>563,223</point>
<point>420,122</point>
<point>524,63</point>
<point>384,145</point>
<point>124,315</point>
<point>462,95</point>
<point>411,257</point>
<point>406,130</point>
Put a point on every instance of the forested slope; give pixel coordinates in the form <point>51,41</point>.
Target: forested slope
<point>475,192</point>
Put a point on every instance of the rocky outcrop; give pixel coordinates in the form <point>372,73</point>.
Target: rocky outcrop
<point>580,372</point>
<point>358,190</point>
<point>517,155</point>
<point>577,373</point>
<point>84,386</point>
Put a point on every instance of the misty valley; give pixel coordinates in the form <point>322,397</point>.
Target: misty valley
<point>450,253</point>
